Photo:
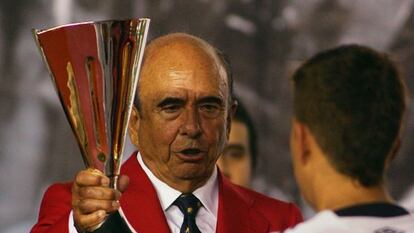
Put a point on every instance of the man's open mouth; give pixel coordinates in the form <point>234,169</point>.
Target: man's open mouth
<point>191,154</point>
<point>191,151</point>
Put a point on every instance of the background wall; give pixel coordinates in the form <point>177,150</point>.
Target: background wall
<point>265,40</point>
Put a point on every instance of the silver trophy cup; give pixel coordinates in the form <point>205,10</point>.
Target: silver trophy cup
<point>95,67</point>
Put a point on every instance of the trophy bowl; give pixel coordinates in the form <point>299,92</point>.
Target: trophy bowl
<point>95,68</point>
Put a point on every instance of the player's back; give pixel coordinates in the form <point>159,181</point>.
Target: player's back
<point>329,222</point>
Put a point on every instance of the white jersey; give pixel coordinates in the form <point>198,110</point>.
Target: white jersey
<point>329,222</point>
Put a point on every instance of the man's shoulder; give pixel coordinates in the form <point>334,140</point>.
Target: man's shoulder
<point>277,212</point>
<point>131,165</point>
<point>328,221</point>
<point>58,190</point>
<point>259,200</point>
<point>57,196</point>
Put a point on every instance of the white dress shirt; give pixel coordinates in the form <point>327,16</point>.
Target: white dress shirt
<point>206,218</point>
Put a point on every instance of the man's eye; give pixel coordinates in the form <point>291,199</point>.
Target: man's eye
<point>171,108</point>
<point>234,154</point>
<point>211,110</point>
<point>235,151</point>
<point>209,107</point>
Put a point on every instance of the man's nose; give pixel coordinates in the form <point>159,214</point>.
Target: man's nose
<point>191,124</point>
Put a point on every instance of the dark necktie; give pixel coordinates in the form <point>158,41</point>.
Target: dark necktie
<point>189,205</point>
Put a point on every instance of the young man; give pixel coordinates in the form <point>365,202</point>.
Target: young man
<point>349,104</point>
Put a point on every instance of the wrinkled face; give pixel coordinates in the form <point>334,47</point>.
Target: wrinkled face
<point>184,117</point>
<point>235,162</point>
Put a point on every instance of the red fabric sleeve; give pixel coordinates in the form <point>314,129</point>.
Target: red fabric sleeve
<point>54,210</point>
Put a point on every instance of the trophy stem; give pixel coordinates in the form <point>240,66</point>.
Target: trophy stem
<point>114,182</point>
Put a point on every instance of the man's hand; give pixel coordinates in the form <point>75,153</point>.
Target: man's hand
<point>93,200</point>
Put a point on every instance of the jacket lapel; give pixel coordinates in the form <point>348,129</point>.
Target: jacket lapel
<point>235,213</point>
<point>140,202</point>
<point>143,211</point>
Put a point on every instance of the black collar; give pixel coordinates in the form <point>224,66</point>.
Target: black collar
<point>379,209</point>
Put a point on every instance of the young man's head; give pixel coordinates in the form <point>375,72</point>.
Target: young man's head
<point>350,102</point>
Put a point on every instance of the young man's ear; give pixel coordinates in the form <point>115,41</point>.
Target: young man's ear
<point>302,136</point>
<point>393,153</point>
<point>133,126</point>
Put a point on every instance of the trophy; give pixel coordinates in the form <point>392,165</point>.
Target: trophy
<point>94,68</point>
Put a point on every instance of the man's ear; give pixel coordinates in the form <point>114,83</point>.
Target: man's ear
<point>394,151</point>
<point>133,126</point>
<point>232,112</point>
<point>302,136</point>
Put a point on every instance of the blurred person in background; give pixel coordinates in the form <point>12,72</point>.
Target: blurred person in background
<point>239,159</point>
<point>349,105</point>
<point>239,156</point>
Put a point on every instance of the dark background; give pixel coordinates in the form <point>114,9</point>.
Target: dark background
<point>265,41</point>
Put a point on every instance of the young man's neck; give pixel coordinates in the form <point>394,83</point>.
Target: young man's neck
<point>347,193</point>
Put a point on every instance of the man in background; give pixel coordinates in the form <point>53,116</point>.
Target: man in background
<point>239,159</point>
<point>239,155</point>
<point>349,105</point>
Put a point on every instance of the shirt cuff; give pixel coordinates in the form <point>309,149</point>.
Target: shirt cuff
<point>72,228</point>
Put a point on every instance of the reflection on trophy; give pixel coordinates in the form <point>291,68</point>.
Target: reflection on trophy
<point>95,68</point>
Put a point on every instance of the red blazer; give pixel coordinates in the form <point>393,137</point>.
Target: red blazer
<point>240,210</point>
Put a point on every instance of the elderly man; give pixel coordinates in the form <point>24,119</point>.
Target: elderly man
<point>180,125</point>
<point>349,104</point>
